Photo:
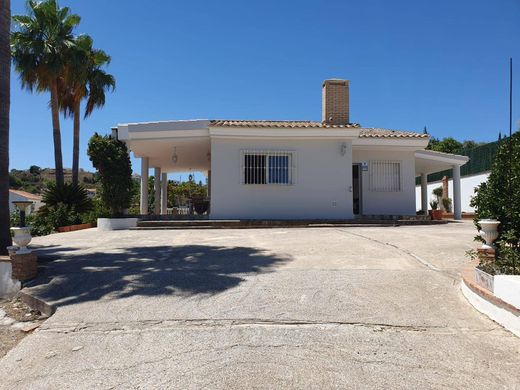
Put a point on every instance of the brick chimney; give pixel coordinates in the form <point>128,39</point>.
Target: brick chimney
<point>335,102</point>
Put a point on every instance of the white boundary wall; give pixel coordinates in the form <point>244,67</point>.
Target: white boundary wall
<point>504,317</point>
<point>467,183</point>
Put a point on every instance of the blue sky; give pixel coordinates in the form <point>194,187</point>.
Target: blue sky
<point>411,63</point>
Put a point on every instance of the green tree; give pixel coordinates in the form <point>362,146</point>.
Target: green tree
<point>14,182</point>
<point>5,99</point>
<point>469,144</point>
<point>84,79</point>
<point>40,48</point>
<point>35,170</point>
<point>498,198</point>
<point>447,145</point>
<point>110,157</point>
<point>179,193</point>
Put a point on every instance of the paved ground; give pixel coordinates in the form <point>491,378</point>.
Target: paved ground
<point>263,308</point>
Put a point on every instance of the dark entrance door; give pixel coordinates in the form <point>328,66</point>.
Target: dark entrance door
<point>356,188</point>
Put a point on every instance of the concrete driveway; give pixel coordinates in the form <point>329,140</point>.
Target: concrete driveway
<point>262,308</point>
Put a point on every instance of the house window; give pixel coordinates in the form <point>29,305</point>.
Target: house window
<point>267,167</point>
<point>385,176</point>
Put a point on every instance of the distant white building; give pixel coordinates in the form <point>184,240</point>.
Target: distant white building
<point>91,192</point>
<point>18,195</point>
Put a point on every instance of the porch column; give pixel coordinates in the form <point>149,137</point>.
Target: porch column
<point>144,185</point>
<point>424,193</point>
<point>157,186</point>
<point>164,193</point>
<point>457,212</point>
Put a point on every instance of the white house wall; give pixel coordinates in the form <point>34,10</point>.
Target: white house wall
<point>467,184</point>
<point>323,176</point>
<point>388,203</point>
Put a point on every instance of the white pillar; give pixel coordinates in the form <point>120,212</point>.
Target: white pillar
<point>164,193</point>
<point>157,186</point>
<point>457,212</point>
<point>209,191</point>
<point>424,193</point>
<point>144,185</point>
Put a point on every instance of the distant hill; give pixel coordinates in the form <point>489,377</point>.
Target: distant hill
<point>34,179</point>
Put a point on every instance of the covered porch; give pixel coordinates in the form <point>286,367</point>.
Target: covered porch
<point>429,161</point>
<point>167,147</point>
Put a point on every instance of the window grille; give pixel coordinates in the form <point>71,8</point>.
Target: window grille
<point>267,167</point>
<point>385,176</point>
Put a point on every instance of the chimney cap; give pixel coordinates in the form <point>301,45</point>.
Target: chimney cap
<point>335,81</point>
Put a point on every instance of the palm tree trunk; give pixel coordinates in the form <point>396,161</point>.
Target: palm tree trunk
<point>75,148</point>
<point>5,66</point>
<point>56,133</point>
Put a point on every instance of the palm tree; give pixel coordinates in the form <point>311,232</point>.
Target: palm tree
<point>84,78</point>
<point>5,66</point>
<point>40,47</point>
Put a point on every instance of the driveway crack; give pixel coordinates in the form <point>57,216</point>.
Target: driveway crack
<point>206,323</point>
<point>417,258</point>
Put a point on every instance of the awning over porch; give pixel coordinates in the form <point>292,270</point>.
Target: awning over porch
<point>172,146</point>
<point>429,161</point>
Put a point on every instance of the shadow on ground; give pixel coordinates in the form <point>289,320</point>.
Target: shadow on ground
<point>68,275</point>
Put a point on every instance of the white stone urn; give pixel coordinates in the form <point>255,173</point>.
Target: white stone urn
<point>489,232</point>
<point>22,238</point>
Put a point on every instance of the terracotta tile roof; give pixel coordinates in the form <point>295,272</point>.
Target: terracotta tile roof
<point>280,124</point>
<point>368,132</point>
<point>25,194</point>
<point>374,132</point>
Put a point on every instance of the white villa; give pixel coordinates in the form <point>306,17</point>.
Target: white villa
<point>258,169</point>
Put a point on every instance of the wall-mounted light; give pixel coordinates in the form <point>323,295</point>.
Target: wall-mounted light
<point>174,155</point>
<point>208,155</point>
<point>343,148</point>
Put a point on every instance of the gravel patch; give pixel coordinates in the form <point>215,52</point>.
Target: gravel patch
<point>17,320</point>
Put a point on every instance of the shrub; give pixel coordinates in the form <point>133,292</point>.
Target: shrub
<point>110,157</point>
<point>71,195</point>
<point>64,206</point>
<point>98,211</point>
<point>434,204</point>
<point>437,192</point>
<point>446,203</point>
<point>499,198</point>
<point>39,225</point>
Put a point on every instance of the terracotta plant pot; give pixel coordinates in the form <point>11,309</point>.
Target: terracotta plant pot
<point>436,215</point>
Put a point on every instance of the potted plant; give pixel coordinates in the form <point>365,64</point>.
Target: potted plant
<point>446,203</point>
<point>200,205</point>
<point>438,193</point>
<point>110,157</point>
<point>489,232</point>
<point>435,213</point>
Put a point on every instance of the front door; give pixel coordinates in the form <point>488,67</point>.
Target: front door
<point>356,188</point>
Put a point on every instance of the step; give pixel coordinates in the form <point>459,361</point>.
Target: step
<point>251,224</point>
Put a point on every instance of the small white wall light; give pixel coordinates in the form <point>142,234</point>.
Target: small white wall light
<point>174,155</point>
